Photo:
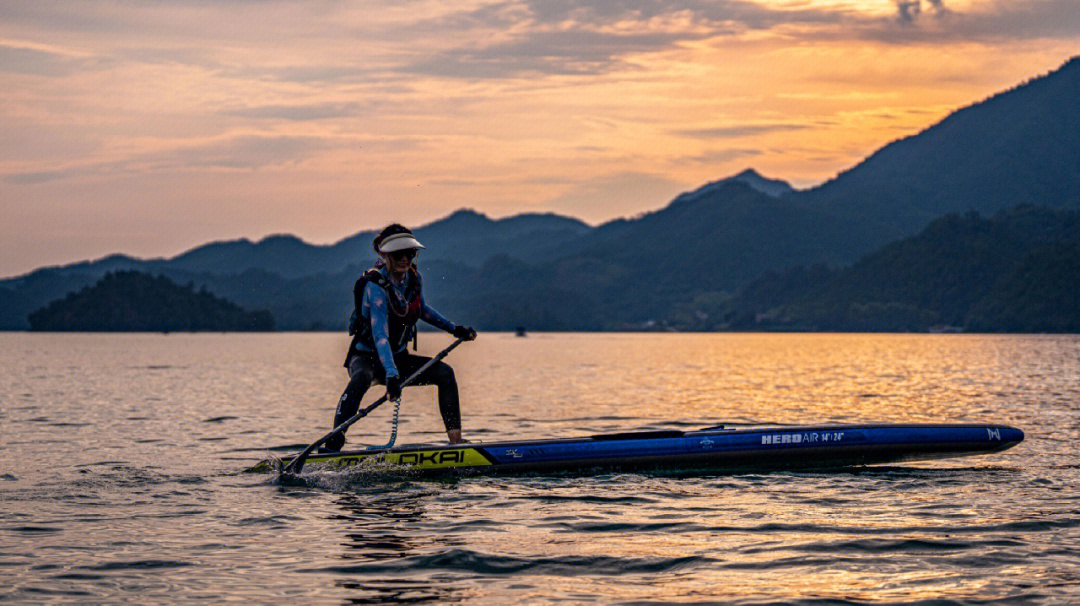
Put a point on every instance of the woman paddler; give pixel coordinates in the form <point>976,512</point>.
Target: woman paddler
<point>389,301</point>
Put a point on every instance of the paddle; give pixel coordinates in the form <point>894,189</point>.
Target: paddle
<point>297,464</point>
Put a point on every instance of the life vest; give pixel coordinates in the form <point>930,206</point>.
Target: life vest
<point>401,316</point>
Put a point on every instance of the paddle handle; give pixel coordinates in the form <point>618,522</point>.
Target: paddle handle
<point>297,464</point>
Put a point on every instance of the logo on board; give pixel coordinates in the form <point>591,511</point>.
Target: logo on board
<point>810,437</point>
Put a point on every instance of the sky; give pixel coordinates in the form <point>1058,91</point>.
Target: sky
<point>150,127</point>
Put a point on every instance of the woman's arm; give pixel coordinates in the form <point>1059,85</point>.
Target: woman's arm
<point>375,298</point>
<point>436,319</point>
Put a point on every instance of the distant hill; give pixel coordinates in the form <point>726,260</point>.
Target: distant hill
<point>131,301</point>
<point>629,272</point>
<point>1018,147</point>
<point>307,286</point>
<point>463,237</point>
<point>1018,271</point>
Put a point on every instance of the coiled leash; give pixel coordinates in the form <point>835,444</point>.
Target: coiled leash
<point>393,428</point>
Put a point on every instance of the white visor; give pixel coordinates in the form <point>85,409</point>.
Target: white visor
<point>398,242</point>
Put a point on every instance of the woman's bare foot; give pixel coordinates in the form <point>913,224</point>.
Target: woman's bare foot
<point>454,435</point>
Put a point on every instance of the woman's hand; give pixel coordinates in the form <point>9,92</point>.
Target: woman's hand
<point>393,389</point>
<point>466,333</point>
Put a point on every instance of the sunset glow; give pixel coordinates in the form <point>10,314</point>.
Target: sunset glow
<point>148,128</point>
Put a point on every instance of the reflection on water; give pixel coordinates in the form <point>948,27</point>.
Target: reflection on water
<point>119,477</point>
<point>382,526</point>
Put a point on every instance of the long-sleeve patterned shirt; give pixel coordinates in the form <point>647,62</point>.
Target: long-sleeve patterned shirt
<point>373,309</point>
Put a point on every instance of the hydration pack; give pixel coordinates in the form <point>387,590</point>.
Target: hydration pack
<point>403,312</point>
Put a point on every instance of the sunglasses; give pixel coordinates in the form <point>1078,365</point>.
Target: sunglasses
<point>408,253</point>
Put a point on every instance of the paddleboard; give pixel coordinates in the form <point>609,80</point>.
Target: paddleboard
<point>767,447</point>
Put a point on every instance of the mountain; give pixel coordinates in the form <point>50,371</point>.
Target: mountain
<point>1016,271</point>
<point>306,286</point>
<point>770,187</point>
<point>1021,146</point>
<point>133,301</point>
<point>714,238</point>
<point>463,237</point>
<point>287,255</point>
<point>470,238</point>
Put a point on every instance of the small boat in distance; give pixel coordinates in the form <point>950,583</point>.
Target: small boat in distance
<point>718,448</point>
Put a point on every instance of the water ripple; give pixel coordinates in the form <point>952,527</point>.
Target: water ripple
<point>465,560</point>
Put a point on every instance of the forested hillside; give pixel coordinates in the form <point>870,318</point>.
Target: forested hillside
<point>131,301</point>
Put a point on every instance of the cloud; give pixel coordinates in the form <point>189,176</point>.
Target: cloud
<point>732,132</point>
<point>591,37</point>
<point>991,21</point>
<point>335,43</point>
<point>44,62</point>
<point>300,113</point>
<point>197,57</point>
<point>720,156</point>
<point>298,74</point>
<point>32,178</point>
<point>572,37</point>
<point>1032,19</point>
<point>544,53</point>
<point>247,152</point>
<point>908,10</point>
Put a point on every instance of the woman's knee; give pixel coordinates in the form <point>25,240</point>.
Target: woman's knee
<point>443,374</point>
<point>360,370</point>
<point>361,380</point>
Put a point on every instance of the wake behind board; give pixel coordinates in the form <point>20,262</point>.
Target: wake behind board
<point>716,448</point>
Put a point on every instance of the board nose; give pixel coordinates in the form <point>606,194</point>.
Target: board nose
<point>1011,434</point>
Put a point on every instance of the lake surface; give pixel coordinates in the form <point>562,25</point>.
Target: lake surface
<point>121,460</point>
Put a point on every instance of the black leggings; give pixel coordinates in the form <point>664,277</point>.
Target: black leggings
<point>365,368</point>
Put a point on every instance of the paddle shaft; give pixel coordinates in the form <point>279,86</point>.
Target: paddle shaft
<point>297,464</point>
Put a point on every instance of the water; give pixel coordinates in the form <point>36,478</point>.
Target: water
<point>120,458</point>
